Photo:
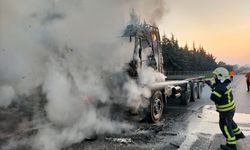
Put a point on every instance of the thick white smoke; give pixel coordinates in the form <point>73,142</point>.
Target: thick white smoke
<point>135,98</point>
<point>150,10</point>
<point>69,48</point>
<point>7,94</point>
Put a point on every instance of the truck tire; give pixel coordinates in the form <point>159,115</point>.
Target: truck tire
<point>185,97</point>
<point>156,107</point>
<point>200,90</point>
<point>194,92</point>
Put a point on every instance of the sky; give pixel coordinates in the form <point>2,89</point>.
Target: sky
<point>222,27</point>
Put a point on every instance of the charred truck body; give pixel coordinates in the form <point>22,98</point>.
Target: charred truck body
<point>148,52</point>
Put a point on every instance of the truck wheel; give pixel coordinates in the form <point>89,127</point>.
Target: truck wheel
<point>185,97</point>
<point>194,92</point>
<point>200,90</point>
<point>156,107</point>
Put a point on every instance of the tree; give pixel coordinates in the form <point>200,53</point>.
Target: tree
<point>177,58</point>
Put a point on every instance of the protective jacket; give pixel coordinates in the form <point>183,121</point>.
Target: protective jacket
<point>222,96</point>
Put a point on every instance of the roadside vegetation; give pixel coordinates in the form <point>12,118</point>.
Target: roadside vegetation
<point>185,60</point>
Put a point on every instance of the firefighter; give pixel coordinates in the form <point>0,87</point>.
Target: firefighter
<point>231,73</point>
<point>248,80</point>
<point>223,98</point>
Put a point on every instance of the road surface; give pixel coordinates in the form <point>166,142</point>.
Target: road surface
<point>192,127</point>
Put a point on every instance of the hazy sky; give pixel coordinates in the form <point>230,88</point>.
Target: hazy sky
<point>221,26</point>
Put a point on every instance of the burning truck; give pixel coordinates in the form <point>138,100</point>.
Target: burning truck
<point>142,86</point>
<point>54,71</point>
<point>148,54</point>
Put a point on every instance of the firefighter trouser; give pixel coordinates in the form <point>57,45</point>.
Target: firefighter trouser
<point>248,86</point>
<point>228,127</point>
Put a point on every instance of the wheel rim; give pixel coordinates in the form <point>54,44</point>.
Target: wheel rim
<point>157,108</point>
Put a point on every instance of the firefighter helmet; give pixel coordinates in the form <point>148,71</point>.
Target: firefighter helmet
<point>221,73</point>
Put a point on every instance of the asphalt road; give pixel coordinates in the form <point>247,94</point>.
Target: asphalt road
<point>173,132</point>
<point>192,127</point>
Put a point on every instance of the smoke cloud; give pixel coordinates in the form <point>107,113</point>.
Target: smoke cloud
<point>70,48</point>
<point>7,94</point>
<point>151,11</point>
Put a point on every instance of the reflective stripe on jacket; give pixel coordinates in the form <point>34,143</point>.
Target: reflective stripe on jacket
<point>223,97</point>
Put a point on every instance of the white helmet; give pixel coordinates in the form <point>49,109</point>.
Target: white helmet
<point>221,73</point>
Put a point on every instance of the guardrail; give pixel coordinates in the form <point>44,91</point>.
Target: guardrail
<point>187,74</point>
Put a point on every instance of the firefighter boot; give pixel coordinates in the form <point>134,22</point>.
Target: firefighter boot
<point>240,136</point>
<point>228,147</point>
